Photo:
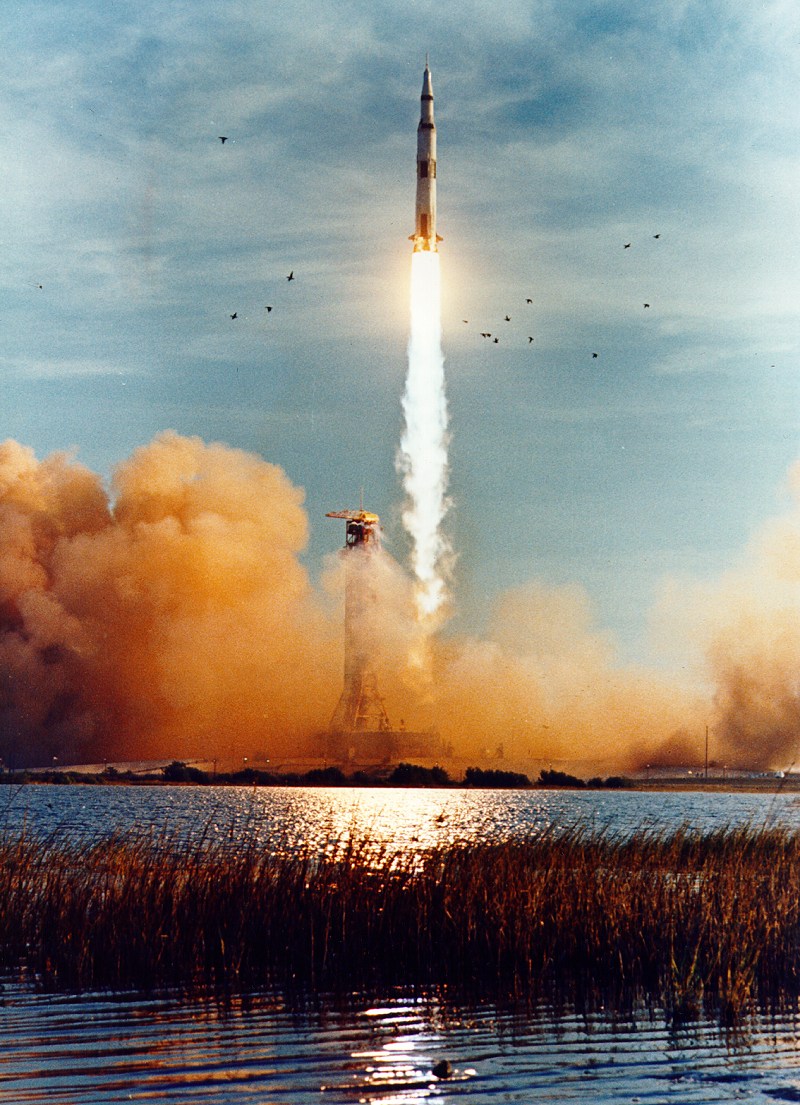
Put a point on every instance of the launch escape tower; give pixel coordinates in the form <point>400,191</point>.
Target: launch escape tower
<point>360,709</point>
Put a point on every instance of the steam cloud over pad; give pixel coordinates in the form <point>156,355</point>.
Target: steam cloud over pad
<point>173,618</point>
<point>177,621</point>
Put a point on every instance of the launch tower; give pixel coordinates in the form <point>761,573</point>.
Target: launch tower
<point>360,710</point>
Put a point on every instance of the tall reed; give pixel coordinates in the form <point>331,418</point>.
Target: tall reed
<point>685,920</point>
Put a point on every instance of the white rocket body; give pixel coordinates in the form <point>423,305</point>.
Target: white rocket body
<point>425,236</point>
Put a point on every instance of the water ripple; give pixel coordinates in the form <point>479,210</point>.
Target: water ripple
<point>395,817</point>
<point>99,1050</point>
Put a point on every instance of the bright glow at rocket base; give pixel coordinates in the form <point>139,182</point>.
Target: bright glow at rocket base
<point>422,458</point>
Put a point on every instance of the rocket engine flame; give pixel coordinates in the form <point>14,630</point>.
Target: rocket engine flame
<point>422,458</point>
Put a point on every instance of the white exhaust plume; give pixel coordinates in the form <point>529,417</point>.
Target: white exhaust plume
<point>422,457</point>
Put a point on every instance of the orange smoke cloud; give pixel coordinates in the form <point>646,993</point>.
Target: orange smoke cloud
<point>172,618</point>
<point>541,685</point>
<point>176,622</point>
<point>544,685</point>
<point>747,626</point>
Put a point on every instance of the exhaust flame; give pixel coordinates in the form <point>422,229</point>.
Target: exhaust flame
<point>422,457</point>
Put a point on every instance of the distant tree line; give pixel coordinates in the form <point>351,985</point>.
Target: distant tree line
<point>552,778</point>
<point>403,775</point>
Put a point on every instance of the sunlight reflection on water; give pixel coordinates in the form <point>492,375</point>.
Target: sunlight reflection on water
<point>399,819</point>
<point>394,817</point>
<point>386,1047</point>
<point>100,1050</point>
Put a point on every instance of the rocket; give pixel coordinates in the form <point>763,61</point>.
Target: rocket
<point>425,236</point>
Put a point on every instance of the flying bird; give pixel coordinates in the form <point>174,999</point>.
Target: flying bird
<point>267,309</point>
<point>595,355</point>
<point>508,318</point>
<point>529,301</point>
<point>466,320</point>
<point>485,334</point>
<point>291,275</point>
<point>223,138</point>
<point>627,245</point>
<point>647,304</point>
<point>530,339</point>
<point>656,235</point>
<point>496,341</point>
<point>234,315</point>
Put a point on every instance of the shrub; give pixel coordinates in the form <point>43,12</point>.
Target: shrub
<point>179,772</point>
<point>412,775</point>
<point>477,777</point>
<point>559,779</point>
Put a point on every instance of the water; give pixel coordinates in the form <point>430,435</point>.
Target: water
<point>100,1049</point>
<point>397,817</point>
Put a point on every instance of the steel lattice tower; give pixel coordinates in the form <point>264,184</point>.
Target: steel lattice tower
<point>360,708</point>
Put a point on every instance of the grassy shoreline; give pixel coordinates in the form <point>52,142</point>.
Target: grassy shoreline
<point>687,921</point>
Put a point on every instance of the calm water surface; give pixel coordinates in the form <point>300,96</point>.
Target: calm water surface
<point>401,818</point>
<point>100,1050</point>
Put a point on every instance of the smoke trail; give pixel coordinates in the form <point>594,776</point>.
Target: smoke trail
<point>422,457</point>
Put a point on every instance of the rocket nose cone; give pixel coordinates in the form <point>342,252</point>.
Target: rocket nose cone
<point>427,88</point>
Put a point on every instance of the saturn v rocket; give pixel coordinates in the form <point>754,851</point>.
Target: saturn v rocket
<point>425,236</point>
<point>360,730</point>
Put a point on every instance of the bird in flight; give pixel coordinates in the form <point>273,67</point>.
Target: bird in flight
<point>496,341</point>
<point>466,320</point>
<point>530,339</point>
<point>595,355</point>
<point>627,245</point>
<point>529,301</point>
<point>656,235</point>
<point>234,315</point>
<point>291,275</point>
<point>647,304</point>
<point>267,309</point>
<point>223,138</point>
<point>508,318</point>
<point>485,334</point>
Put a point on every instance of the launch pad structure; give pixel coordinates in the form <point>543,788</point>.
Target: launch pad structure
<point>360,731</point>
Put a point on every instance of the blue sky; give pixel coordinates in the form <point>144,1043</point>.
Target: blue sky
<point>565,131</point>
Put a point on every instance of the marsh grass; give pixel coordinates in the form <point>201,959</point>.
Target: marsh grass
<point>688,921</point>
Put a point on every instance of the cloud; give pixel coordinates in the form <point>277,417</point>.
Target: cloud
<point>172,617</point>
<point>744,624</point>
<point>178,621</point>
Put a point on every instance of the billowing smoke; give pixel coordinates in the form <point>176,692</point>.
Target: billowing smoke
<point>541,686</point>
<point>747,627</point>
<point>174,621</point>
<point>171,617</point>
<point>422,458</point>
